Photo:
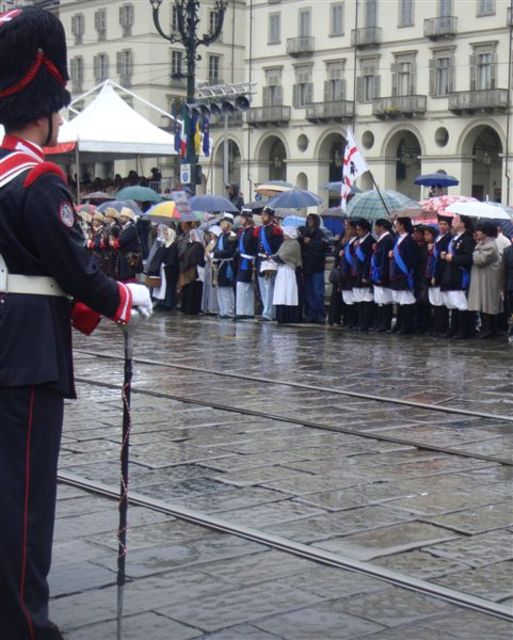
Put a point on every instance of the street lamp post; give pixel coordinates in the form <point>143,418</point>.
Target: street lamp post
<point>187,20</point>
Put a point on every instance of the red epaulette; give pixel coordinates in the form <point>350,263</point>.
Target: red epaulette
<point>277,231</point>
<point>15,164</point>
<point>41,169</point>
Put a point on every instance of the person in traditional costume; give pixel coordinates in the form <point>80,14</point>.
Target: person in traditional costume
<point>48,282</point>
<point>404,260</point>
<point>191,260</point>
<point>456,278</point>
<point>440,313</point>
<point>224,260</point>
<point>269,236</point>
<point>287,296</point>
<point>380,274</point>
<point>362,287</point>
<point>247,248</point>
<point>347,260</point>
<point>209,304</point>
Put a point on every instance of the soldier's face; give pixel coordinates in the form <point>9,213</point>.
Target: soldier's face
<point>57,121</point>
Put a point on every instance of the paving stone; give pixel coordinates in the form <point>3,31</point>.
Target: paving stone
<point>150,626</point>
<point>74,577</point>
<point>387,541</point>
<point>478,519</point>
<point>241,606</point>
<point>493,582</point>
<point>432,504</point>
<point>270,513</point>
<point>478,550</point>
<point>260,475</point>
<point>326,619</point>
<point>232,499</point>
<point>246,631</point>
<point>420,564</point>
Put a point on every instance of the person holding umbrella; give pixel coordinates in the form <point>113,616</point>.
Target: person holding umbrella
<point>42,266</point>
<point>456,277</point>
<point>438,266</point>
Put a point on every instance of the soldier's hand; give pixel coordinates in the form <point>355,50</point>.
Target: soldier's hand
<point>141,299</point>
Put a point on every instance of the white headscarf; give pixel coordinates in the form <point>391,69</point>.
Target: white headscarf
<point>290,232</point>
<point>196,236</point>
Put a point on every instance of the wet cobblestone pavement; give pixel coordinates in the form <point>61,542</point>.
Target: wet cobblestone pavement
<point>444,518</point>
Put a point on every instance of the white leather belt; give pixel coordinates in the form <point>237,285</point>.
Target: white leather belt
<point>32,285</point>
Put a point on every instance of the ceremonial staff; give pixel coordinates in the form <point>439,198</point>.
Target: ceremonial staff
<point>128,332</point>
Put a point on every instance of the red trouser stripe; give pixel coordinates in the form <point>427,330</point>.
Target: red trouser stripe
<point>25,517</point>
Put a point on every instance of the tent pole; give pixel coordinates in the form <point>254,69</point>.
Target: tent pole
<point>77,166</point>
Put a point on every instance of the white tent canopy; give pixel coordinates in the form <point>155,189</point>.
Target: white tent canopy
<point>108,125</point>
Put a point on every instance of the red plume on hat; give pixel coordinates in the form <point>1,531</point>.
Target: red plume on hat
<point>33,71</point>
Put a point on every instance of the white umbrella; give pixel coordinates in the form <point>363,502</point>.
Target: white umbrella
<point>479,210</point>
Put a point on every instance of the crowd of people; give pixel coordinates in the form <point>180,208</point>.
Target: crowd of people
<point>452,278</point>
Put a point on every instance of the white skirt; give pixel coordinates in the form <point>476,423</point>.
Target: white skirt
<point>455,300</point>
<point>383,295</point>
<point>436,297</point>
<point>403,297</point>
<point>285,286</point>
<point>347,297</point>
<point>159,293</point>
<point>363,295</point>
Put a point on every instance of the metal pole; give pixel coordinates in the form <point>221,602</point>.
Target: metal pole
<point>225,151</point>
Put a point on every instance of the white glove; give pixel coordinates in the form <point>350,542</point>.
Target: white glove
<point>141,299</point>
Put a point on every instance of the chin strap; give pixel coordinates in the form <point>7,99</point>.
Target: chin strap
<point>50,131</point>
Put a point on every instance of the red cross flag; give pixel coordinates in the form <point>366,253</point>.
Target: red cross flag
<point>354,165</point>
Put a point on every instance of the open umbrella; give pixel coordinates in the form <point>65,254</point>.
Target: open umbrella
<point>295,199</point>
<point>336,187</point>
<point>139,194</point>
<point>369,205</point>
<point>120,204</point>
<point>436,180</point>
<point>166,212</point>
<point>273,187</point>
<point>430,208</point>
<point>97,196</point>
<point>254,205</point>
<point>479,210</point>
<point>294,221</point>
<point>212,203</point>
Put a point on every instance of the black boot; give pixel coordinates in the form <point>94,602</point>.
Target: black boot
<point>486,330</point>
<point>408,312</point>
<point>387,311</point>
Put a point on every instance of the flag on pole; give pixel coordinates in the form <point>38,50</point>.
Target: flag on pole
<point>197,135</point>
<point>184,131</point>
<point>206,135</point>
<point>353,166</point>
<point>176,128</point>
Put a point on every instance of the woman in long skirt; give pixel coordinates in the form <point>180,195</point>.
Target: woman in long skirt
<point>288,294</point>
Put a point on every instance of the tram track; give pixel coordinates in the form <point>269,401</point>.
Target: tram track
<point>298,419</point>
<point>300,550</point>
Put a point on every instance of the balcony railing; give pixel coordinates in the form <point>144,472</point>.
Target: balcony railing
<point>178,83</point>
<point>399,106</point>
<point>300,46</point>
<point>234,119</point>
<point>338,111</point>
<point>441,27</point>
<point>366,37</point>
<point>262,116</point>
<point>487,100</point>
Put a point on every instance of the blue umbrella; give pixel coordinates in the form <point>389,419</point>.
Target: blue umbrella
<point>212,203</point>
<point>294,221</point>
<point>436,180</point>
<point>138,193</point>
<point>295,199</point>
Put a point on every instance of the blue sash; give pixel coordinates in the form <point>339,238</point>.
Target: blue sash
<point>347,254</point>
<point>245,263</point>
<point>402,265</point>
<point>360,254</point>
<point>375,269</point>
<point>465,274</point>
<point>265,241</point>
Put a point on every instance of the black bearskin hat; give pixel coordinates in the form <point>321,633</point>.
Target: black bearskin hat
<point>33,68</point>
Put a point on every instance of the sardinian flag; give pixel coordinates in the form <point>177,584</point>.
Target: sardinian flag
<point>354,165</point>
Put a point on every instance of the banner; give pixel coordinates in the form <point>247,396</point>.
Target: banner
<point>353,166</point>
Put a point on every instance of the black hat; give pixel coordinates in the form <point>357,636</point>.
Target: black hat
<point>33,71</point>
<point>447,219</point>
<point>364,224</point>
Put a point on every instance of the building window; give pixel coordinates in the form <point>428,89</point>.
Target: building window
<point>485,78</point>
<point>214,65</point>
<point>77,73</point>
<point>174,19</point>
<point>406,13</point>
<point>213,18</point>
<point>335,85</point>
<point>444,8</point>
<point>78,27</point>
<point>441,76</point>
<point>337,19</point>
<point>371,13</point>
<point>272,92</point>
<point>305,22</point>
<point>403,77</point>
<point>126,19</point>
<point>176,64</point>
<point>101,67</point>
<point>368,84</point>
<point>125,67</point>
<point>274,29</point>
<point>303,89</point>
<point>100,24</point>
<point>485,7</point>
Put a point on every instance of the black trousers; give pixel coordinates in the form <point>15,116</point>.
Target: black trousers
<point>30,434</point>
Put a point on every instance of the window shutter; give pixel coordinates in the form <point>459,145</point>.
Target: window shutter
<point>343,89</point>
<point>309,93</point>
<point>359,89</point>
<point>432,77</point>
<point>450,83</point>
<point>493,72</point>
<point>412,84</point>
<point>376,85</point>
<point>473,72</point>
<point>96,65</point>
<point>327,97</point>
<point>395,78</point>
<point>278,96</point>
<point>121,16</point>
<point>265,96</point>
<point>295,96</point>
<point>119,62</point>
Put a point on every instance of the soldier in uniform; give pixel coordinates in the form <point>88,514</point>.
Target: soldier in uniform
<point>43,264</point>
<point>246,254</point>
<point>269,236</point>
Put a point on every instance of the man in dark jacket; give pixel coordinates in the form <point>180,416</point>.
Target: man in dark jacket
<point>456,277</point>
<point>43,261</point>
<point>314,247</point>
<point>246,254</point>
<point>233,193</point>
<point>224,259</point>
<point>362,290</point>
<point>380,274</point>
<point>440,311</point>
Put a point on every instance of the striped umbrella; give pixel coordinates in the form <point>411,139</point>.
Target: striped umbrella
<point>369,205</point>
